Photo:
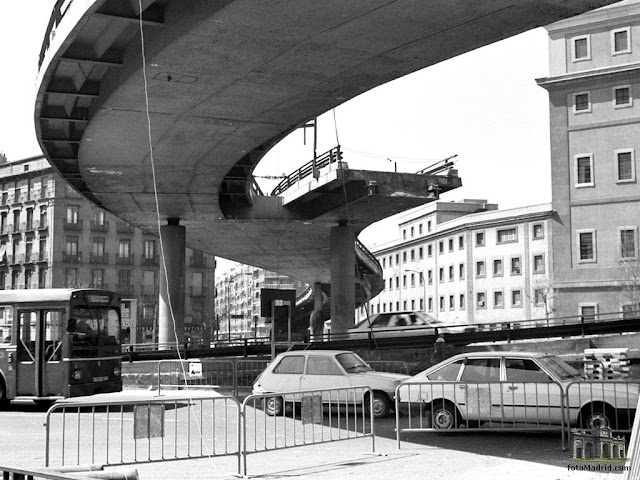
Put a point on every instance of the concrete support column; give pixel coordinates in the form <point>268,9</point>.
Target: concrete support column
<point>171,283</point>
<point>317,296</point>
<point>343,291</point>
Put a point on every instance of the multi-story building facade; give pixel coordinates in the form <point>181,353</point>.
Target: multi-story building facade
<point>51,236</point>
<point>593,86</point>
<point>467,262</point>
<point>237,304</point>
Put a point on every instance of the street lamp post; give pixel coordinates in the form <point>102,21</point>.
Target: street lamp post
<point>228,281</point>
<point>424,287</point>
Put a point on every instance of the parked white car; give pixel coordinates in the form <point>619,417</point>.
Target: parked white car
<point>517,388</point>
<point>325,369</point>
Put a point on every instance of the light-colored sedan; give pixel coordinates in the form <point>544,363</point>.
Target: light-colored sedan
<point>393,324</point>
<point>325,369</point>
<point>517,388</point>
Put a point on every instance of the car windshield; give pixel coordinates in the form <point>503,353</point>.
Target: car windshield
<point>352,363</point>
<point>559,368</point>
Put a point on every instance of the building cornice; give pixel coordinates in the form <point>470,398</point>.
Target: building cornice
<point>596,19</point>
<point>615,73</point>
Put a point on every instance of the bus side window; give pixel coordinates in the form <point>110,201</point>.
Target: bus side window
<point>53,335</point>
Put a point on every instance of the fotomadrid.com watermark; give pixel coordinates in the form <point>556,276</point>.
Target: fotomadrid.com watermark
<point>603,467</point>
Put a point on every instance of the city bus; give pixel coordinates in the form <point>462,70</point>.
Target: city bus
<point>59,343</point>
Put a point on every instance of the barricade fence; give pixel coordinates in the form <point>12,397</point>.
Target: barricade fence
<point>464,406</point>
<point>632,465</point>
<point>127,432</point>
<point>79,473</point>
<point>232,377</point>
<point>327,415</point>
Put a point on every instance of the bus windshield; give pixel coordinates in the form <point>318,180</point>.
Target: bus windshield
<point>94,326</point>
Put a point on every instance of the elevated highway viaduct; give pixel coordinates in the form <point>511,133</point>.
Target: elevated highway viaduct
<point>186,119</point>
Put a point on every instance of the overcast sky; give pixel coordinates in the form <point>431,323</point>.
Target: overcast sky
<point>484,107</point>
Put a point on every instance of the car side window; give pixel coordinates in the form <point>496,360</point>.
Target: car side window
<point>381,321</point>
<point>317,365</point>
<point>403,320</point>
<point>290,365</point>
<point>524,370</point>
<point>481,370</point>
<point>448,373</point>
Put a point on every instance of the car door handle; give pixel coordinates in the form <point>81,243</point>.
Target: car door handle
<point>462,387</point>
<point>512,387</point>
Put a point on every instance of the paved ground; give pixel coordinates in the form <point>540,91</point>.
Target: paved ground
<point>461,456</point>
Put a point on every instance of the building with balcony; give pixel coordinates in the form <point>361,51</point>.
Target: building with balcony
<point>594,88</point>
<point>51,236</point>
<point>238,300</point>
<point>468,262</point>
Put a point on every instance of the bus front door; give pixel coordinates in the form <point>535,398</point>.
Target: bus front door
<point>40,367</point>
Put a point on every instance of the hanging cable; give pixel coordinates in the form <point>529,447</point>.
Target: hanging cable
<point>157,205</point>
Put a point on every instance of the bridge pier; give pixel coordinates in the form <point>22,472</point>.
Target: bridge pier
<point>171,305</point>
<point>343,290</point>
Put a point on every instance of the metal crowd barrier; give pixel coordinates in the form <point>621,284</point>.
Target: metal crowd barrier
<point>197,373</point>
<point>590,401</point>
<point>246,372</point>
<point>126,432</point>
<point>76,473</point>
<point>266,425</point>
<point>632,465</point>
<point>390,366</point>
<point>462,406</point>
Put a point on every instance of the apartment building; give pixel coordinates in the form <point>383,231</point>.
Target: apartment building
<point>594,85</point>
<point>52,237</point>
<point>468,262</point>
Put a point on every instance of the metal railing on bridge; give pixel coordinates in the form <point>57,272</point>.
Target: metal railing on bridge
<point>310,168</point>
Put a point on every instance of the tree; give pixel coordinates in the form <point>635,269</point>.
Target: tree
<point>544,294</point>
<point>630,283</point>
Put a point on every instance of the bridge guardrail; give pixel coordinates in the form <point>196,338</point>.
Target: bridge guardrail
<point>475,406</point>
<point>265,425</point>
<point>136,431</point>
<point>332,156</point>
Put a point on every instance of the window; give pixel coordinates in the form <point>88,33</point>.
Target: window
<point>451,275</point>
<point>429,226</point>
<point>588,311</point>
<point>478,370</point>
<point>413,280</point>
<point>124,278</point>
<point>481,300</point>
<point>290,365</point>
<point>581,102</point>
<point>538,231</point>
<point>462,305</point>
<point>516,298</point>
<point>430,250</point>
<point>404,256</point>
<point>451,244</point>
<point>384,262</point>
<point>515,266</point>
<point>97,278</point>
<point>149,249</point>
<point>460,242</point>
<point>452,302</point>
<point>404,234</point>
<point>479,239</point>
<point>448,373</point>
<point>72,246</point>
<point>71,276</point>
<point>420,229</point>
<point>420,253</point>
<point>441,247</point>
<point>622,97</point>
<point>404,281</point>
<point>430,302</point>
<point>628,247</point>
<point>498,299</point>
<point>397,259</point>
<point>461,271</point>
<point>321,365</point>
<point>584,170</point>
<point>497,267</point>
<point>620,41</point>
<point>422,304</point>
<point>539,296</point>
<point>625,166</point>
<point>411,232</point>
<point>441,274</point>
<point>124,249</point>
<point>441,301</point>
<point>538,263</point>
<point>97,250</point>
<point>581,48</point>
<point>98,218</point>
<point>397,283</point>
<point>72,214</point>
<point>390,283</point>
<point>586,246</point>
<point>430,277</point>
<point>413,254</point>
<point>524,370</point>
<point>480,269</point>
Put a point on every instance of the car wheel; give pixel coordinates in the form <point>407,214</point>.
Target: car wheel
<point>444,416</point>
<point>274,406</point>
<point>596,416</point>
<point>381,405</point>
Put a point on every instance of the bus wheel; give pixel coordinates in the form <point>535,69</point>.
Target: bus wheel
<point>4,403</point>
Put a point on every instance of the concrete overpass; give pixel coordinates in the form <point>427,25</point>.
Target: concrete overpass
<point>226,81</point>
